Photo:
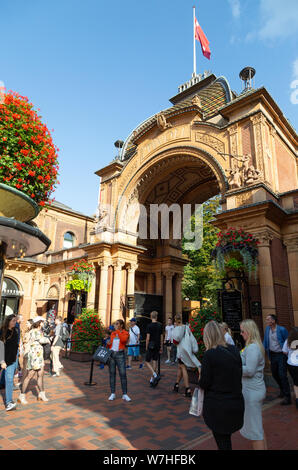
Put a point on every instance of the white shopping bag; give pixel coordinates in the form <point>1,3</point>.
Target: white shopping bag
<point>196,406</point>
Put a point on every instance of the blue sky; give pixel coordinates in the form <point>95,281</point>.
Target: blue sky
<point>96,69</point>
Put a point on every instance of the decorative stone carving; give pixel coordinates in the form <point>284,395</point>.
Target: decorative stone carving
<point>244,176</point>
<point>211,141</point>
<point>244,199</point>
<point>161,122</point>
<point>196,101</point>
<point>291,244</point>
<point>265,237</point>
<point>102,219</point>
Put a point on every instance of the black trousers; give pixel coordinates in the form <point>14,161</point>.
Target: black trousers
<point>223,441</point>
<point>279,372</point>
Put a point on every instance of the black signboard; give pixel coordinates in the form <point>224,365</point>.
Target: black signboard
<point>130,302</point>
<point>256,309</point>
<point>231,305</point>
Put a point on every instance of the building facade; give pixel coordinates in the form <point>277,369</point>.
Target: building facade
<point>209,142</point>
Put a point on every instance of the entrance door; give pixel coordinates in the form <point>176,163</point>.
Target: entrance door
<point>10,299</point>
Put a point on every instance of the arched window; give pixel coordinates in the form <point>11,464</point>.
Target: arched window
<point>69,240</point>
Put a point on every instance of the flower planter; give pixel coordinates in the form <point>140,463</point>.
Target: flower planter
<point>80,356</point>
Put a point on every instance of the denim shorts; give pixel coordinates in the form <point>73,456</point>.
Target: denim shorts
<point>133,351</point>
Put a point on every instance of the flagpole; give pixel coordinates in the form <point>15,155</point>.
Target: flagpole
<point>194,44</point>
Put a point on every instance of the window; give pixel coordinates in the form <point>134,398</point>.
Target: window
<point>69,240</point>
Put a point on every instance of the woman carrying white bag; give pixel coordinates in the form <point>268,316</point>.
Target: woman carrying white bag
<point>187,346</point>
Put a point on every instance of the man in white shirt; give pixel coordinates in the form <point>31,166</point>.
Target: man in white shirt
<point>134,340</point>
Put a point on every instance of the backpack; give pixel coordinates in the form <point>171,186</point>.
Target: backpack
<point>64,334</point>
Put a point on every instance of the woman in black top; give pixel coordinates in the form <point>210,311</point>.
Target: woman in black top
<point>9,338</point>
<point>221,380</point>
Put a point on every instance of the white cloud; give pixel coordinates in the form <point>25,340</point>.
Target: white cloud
<point>235,5</point>
<point>294,84</point>
<point>279,18</point>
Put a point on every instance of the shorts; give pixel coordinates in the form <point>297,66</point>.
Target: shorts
<point>152,355</point>
<point>133,351</point>
<point>293,370</point>
<point>168,344</point>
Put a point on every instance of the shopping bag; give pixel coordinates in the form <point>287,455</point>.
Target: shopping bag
<point>102,354</point>
<point>196,406</point>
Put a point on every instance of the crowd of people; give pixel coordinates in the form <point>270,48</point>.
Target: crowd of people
<point>232,380</point>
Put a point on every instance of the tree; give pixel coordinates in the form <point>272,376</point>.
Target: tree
<point>201,279</point>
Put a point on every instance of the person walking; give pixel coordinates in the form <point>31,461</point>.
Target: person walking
<point>274,339</point>
<point>187,347</point>
<point>134,340</point>
<point>117,342</point>
<point>35,361</point>
<point>26,347</point>
<point>253,385</point>
<point>57,345</point>
<point>154,341</point>
<point>9,344</point>
<point>169,339</point>
<point>221,380</point>
<point>290,349</point>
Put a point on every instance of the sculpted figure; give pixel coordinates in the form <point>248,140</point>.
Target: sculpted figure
<point>162,123</point>
<point>196,101</point>
<point>234,179</point>
<point>252,175</point>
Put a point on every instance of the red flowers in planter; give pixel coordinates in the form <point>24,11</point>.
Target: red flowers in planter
<point>27,151</point>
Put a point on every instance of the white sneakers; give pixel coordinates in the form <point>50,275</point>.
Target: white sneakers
<point>22,399</point>
<point>167,361</point>
<point>10,406</point>
<point>42,397</point>
<point>124,397</point>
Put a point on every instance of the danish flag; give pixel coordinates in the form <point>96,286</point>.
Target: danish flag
<point>200,36</point>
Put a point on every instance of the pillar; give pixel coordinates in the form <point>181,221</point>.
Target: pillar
<point>169,295</point>
<point>292,251</point>
<point>116,289</point>
<point>91,293</point>
<point>266,275</point>
<point>103,291</point>
<point>178,293</point>
<point>131,284</point>
<point>150,283</point>
<point>159,286</point>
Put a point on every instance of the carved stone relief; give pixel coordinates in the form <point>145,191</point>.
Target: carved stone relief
<point>211,141</point>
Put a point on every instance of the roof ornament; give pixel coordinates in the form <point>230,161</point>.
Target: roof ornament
<point>161,122</point>
<point>247,74</point>
<point>196,101</point>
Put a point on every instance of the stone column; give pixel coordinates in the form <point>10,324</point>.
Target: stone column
<point>91,293</point>
<point>116,289</point>
<point>103,291</point>
<point>178,293</point>
<point>292,251</point>
<point>266,275</point>
<point>169,295</point>
<point>258,122</point>
<point>150,283</point>
<point>131,284</point>
<point>159,284</point>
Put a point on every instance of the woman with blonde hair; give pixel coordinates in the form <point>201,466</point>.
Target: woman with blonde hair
<point>220,378</point>
<point>227,334</point>
<point>253,385</point>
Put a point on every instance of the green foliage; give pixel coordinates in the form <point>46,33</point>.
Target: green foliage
<point>88,330</point>
<point>234,264</point>
<point>197,324</point>
<point>78,285</point>
<point>201,277</point>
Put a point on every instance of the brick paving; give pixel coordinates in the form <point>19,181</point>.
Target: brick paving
<point>81,417</point>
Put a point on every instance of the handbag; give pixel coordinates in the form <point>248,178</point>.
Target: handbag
<point>102,354</point>
<point>46,351</point>
<point>196,406</point>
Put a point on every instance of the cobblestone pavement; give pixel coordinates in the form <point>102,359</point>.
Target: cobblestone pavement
<point>81,417</point>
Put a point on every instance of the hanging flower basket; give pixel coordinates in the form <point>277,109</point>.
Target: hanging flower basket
<point>236,250</point>
<point>28,157</point>
<point>82,274</point>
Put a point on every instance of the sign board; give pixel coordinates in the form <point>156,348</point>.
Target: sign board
<point>130,302</point>
<point>231,304</point>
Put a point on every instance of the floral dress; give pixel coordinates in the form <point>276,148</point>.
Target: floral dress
<point>35,353</point>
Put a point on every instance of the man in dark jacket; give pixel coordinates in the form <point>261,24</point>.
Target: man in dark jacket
<point>274,339</point>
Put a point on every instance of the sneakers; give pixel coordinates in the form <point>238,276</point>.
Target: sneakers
<point>112,397</point>
<point>141,366</point>
<point>10,406</point>
<point>22,399</point>
<point>55,375</point>
<point>286,401</point>
<point>126,398</point>
<point>155,381</point>
<point>128,367</point>
<point>42,397</point>
<point>167,361</point>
